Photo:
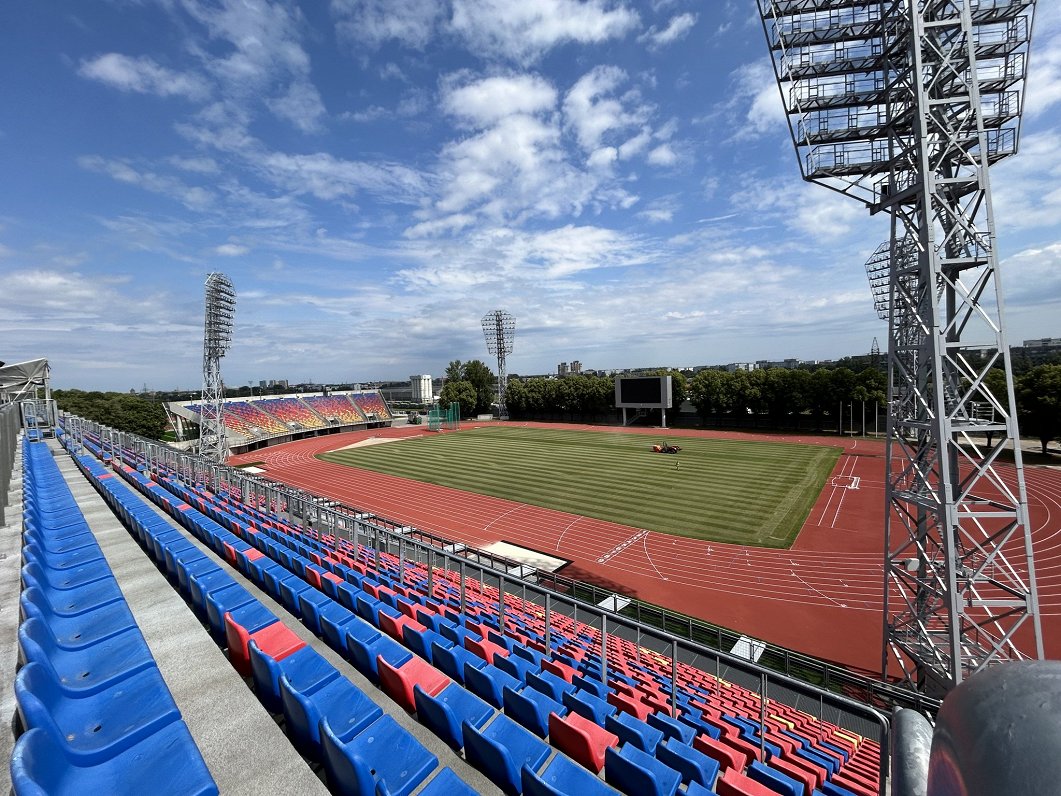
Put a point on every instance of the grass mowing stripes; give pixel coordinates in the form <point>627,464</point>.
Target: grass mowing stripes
<point>747,492</point>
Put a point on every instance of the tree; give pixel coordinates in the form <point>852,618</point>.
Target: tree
<point>463,392</point>
<point>706,391</point>
<point>1039,402</point>
<point>454,371</point>
<point>483,381</point>
<point>121,411</point>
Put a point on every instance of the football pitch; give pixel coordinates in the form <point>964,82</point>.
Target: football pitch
<point>746,492</point>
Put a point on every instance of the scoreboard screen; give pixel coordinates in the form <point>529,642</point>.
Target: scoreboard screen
<point>643,392</point>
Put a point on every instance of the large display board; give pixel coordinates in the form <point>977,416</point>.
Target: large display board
<point>643,392</point>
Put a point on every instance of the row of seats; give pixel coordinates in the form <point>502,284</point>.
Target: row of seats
<point>372,403</point>
<point>369,752</point>
<point>639,680</point>
<point>335,407</point>
<point>560,696</point>
<point>97,715</point>
<point>291,410</point>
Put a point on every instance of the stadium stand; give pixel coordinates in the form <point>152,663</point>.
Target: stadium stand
<point>336,407</point>
<point>290,410</point>
<point>538,702</point>
<point>372,403</point>
<point>248,420</point>
<point>396,603</point>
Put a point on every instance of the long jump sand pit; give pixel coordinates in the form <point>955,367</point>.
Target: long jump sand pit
<point>375,441</point>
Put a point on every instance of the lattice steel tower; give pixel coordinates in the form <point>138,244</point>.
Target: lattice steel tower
<point>904,105</point>
<point>217,339</point>
<point>500,330</point>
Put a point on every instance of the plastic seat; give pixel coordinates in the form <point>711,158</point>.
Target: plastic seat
<point>382,759</point>
<point>592,685</point>
<point>90,669</point>
<point>444,712</point>
<point>73,601</point>
<point>300,664</point>
<point>531,708</point>
<point>310,604</point>
<point>95,727</point>
<point>364,650</point>
<point>562,777</point>
<point>516,666</point>
<point>35,575</point>
<point>447,783</point>
<point>79,632</point>
<point>398,681</point>
<point>633,730</point>
<point>488,682</point>
<point>501,750</point>
<point>422,641</point>
<point>227,596</point>
<point>693,765</point>
<point>672,728</point>
<point>549,683</point>
<point>581,739</point>
<point>592,707</point>
<point>734,783</point>
<point>628,704</point>
<point>775,780</point>
<point>452,660</point>
<point>335,620</point>
<point>240,625</point>
<point>639,774</point>
<point>336,699</point>
<point>166,763</point>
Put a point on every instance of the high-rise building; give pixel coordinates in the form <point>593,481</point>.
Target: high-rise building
<point>576,367</point>
<point>562,369</point>
<point>422,391</point>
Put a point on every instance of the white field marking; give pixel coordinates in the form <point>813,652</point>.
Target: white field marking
<point>502,516</point>
<point>374,441</point>
<point>820,594</point>
<point>568,528</point>
<point>622,546</point>
<point>644,543</point>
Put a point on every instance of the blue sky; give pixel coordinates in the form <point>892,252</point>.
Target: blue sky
<point>376,175</point>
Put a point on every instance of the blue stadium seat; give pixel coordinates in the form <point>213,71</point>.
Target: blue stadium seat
<point>300,665</point>
<point>516,666</point>
<point>364,650</point>
<point>447,783</point>
<point>774,780</point>
<point>549,683</point>
<point>488,682</point>
<point>95,727</point>
<point>588,705</point>
<point>672,728</point>
<point>452,660</point>
<point>531,708</point>
<point>501,750</point>
<point>87,670</point>
<point>639,774</point>
<point>692,764</point>
<point>166,763</point>
<point>562,777</point>
<point>444,713</point>
<point>632,730</point>
<point>382,759</point>
<point>335,699</point>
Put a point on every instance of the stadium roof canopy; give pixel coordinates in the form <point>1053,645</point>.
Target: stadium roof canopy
<point>21,379</point>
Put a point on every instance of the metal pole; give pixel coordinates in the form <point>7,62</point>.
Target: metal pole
<point>548,619</point>
<point>430,574</point>
<point>604,648</point>
<point>501,603</point>
<point>762,717</point>
<point>401,560</point>
<point>674,678</point>
<point>464,600</point>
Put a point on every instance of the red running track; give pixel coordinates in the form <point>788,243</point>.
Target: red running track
<point>821,597</point>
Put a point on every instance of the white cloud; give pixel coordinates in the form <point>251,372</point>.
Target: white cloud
<point>523,30</point>
<point>593,113</point>
<point>1043,88</point>
<point>678,27</point>
<point>663,155</point>
<point>198,165</point>
<point>231,250</point>
<point>143,76</point>
<point>263,60</point>
<point>374,22</point>
<point>484,102</point>
<point>327,177</point>
<point>192,197</point>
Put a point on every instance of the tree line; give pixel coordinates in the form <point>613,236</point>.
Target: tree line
<point>122,411</point>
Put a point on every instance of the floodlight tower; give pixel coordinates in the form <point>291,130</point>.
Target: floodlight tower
<point>500,330</point>
<point>217,339</point>
<point>904,105</point>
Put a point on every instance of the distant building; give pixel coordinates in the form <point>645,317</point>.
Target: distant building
<point>734,366</point>
<point>422,390</point>
<point>562,369</point>
<point>576,367</point>
<point>263,384</point>
<point>1044,342</point>
<point>777,363</point>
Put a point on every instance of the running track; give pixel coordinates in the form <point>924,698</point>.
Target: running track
<point>822,597</point>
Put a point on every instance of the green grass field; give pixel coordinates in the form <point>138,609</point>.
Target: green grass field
<point>756,493</point>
